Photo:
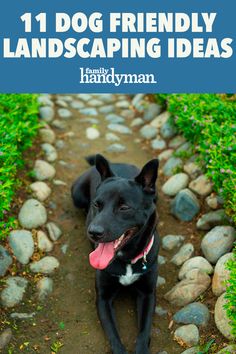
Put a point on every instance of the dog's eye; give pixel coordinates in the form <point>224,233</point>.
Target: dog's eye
<point>124,207</point>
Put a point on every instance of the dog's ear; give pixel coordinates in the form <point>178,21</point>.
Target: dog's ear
<point>103,167</point>
<point>148,175</point>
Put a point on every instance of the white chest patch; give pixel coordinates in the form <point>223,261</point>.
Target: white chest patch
<point>129,277</point>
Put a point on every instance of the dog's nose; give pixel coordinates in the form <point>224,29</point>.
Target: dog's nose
<point>96,231</point>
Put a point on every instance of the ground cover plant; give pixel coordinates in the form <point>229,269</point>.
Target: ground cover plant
<point>18,126</point>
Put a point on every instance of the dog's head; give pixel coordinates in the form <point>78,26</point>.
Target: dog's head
<point>120,210</point>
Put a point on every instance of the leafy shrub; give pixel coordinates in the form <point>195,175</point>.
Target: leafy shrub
<point>18,126</point>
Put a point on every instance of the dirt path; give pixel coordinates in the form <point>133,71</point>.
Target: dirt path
<point>69,315</point>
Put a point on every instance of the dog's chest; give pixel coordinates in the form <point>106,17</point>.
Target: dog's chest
<point>129,277</point>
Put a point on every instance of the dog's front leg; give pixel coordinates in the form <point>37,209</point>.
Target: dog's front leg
<point>106,289</point>
<point>145,305</point>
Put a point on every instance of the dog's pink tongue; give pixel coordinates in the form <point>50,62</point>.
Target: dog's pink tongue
<point>102,255</point>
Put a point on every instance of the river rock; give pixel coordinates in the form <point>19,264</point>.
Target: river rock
<point>92,133</point>
<point>194,283</point>
<point>230,349</point>
<point>201,185</point>
<point>5,338</point>
<point>46,265</point>
<point>171,165</point>
<point>195,263</point>
<point>44,244</point>
<point>184,147</point>
<point>106,97</point>
<point>118,148</point>
<point>107,109</point>
<point>148,132</point>
<point>5,261</point>
<point>221,274</point>
<point>112,137</point>
<point>158,144</point>
<point>22,245</point>
<point>84,97</point>
<point>192,169</point>
<point>89,111</point>
<point>32,214</point>
<point>161,260</point>
<point>64,113</point>
<point>177,141</point>
<point>61,103</point>
<point>59,124</point>
<point>151,111</point>
<point>123,104</point>
<point>137,122</point>
<point>168,130</point>
<point>40,190</point>
<point>169,242</point>
<point>77,104</point>
<point>217,242</point>
<point>185,205</point>
<point>221,319</point>
<point>127,114</point>
<point>54,231</point>
<point>50,152</point>
<point>175,184</point>
<point>160,120</point>
<point>213,201</point>
<point>60,144</point>
<point>193,350</point>
<point>187,334</point>
<point>44,100</point>
<point>46,113</point>
<point>114,118</point>
<point>119,128</point>
<point>160,281</point>
<point>185,252</point>
<point>95,102</point>
<point>211,219</point>
<point>195,313</point>
<point>43,170</point>
<point>44,287</point>
<point>160,311</point>
<point>165,155</point>
<point>14,291</point>
<point>137,99</point>
<point>47,135</point>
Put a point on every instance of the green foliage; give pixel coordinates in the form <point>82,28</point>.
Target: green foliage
<point>208,121</point>
<point>18,127</point>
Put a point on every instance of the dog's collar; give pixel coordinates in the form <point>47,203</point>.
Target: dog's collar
<point>144,253</point>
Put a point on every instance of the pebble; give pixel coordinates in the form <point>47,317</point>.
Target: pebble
<point>137,122</point>
<point>161,260</point>
<point>168,130</point>
<point>188,334</point>
<point>5,338</point>
<point>128,114</point>
<point>118,148</point>
<point>201,185</point>
<point>170,242</point>
<point>171,165</point>
<point>77,104</point>
<point>193,350</point>
<point>66,98</point>
<point>177,141</point>
<point>184,147</point>
<point>60,144</point>
<point>40,190</point>
<point>92,133</point>
<point>185,252</point>
<point>14,291</point>
<point>123,104</point>
<point>195,282</point>
<point>95,103</point>
<point>64,248</point>
<point>84,97</point>
<point>46,113</point>
<point>54,231</point>
<point>185,205</point>
<point>148,132</point>
<point>5,261</point>
<point>160,120</point>
<point>43,170</point>
<point>217,242</point>
<point>158,144</point>
<point>47,135</point>
<point>165,155</point>
<point>44,287</point>
<point>119,128</point>
<point>230,349</point>
<point>45,101</point>
<point>195,263</point>
<point>64,113</point>
<point>22,316</point>
<point>192,169</point>
<point>46,265</point>
<point>106,97</point>
<point>52,205</point>
<point>213,202</point>
<point>194,313</point>
<point>221,274</point>
<point>211,219</point>
<point>89,111</point>
<point>50,152</point>
<point>151,111</point>
<point>61,103</point>
<point>44,244</point>
<point>22,245</point>
<point>32,214</point>
<point>160,311</point>
<point>175,184</point>
<point>114,118</point>
<point>221,320</point>
<point>160,281</point>
<point>106,109</point>
<point>136,99</point>
<point>58,182</point>
<point>59,124</point>
<point>112,137</point>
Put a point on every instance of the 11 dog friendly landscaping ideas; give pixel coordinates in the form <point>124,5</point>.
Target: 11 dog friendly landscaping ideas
<point>47,285</point>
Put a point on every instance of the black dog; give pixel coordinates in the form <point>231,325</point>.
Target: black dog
<point>121,222</point>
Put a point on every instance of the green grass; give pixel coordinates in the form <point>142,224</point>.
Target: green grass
<point>18,126</point>
<point>208,121</point>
